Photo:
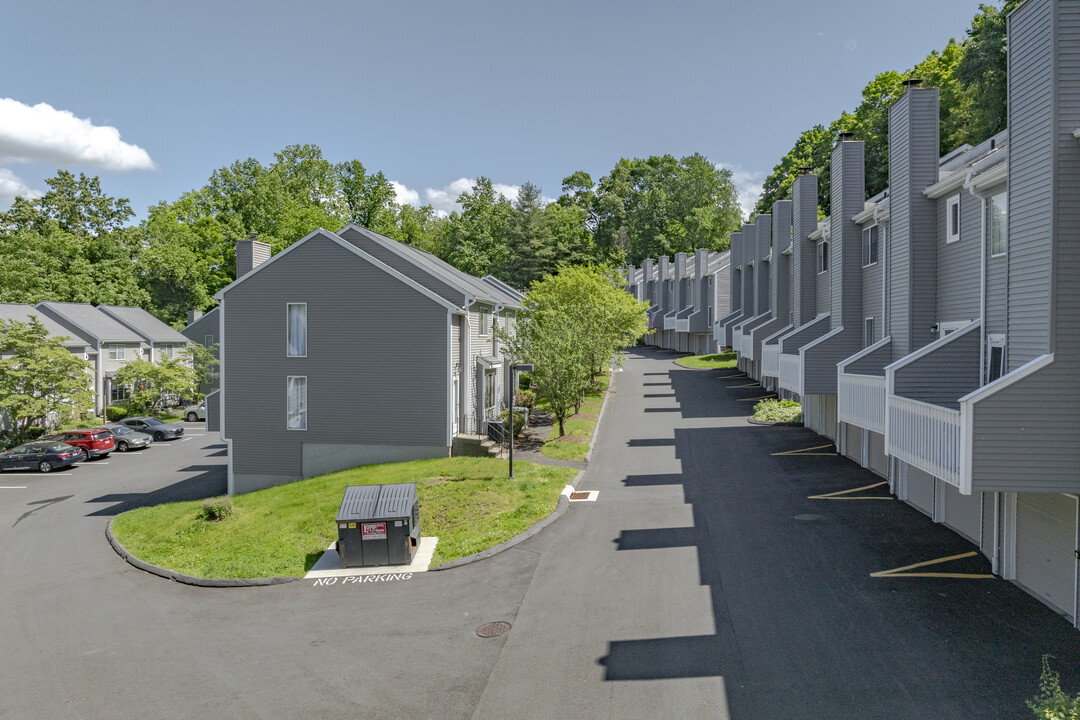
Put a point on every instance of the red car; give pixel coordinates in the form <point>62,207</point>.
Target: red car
<point>95,442</point>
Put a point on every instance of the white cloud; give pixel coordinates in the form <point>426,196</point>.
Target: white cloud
<point>12,187</point>
<point>748,183</point>
<point>405,196</point>
<point>43,134</point>
<point>851,45</point>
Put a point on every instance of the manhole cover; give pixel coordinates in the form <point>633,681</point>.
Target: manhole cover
<point>493,629</point>
<point>808,516</point>
<point>579,495</point>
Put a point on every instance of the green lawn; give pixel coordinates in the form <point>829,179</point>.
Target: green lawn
<point>580,427</point>
<point>708,362</point>
<point>468,503</point>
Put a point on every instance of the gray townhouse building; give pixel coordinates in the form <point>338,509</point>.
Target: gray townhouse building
<point>348,349</point>
<point>935,328</point>
<point>685,296</point>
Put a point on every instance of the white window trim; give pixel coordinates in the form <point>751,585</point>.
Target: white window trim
<point>484,322</point>
<point>821,253</point>
<point>289,305</point>
<point>867,232</point>
<point>288,399</point>
<point>1004,252</point>
<point>208,340</point>
<point>868,341</point>
<point>117,351</point>
<point>950,236</point>
<point>944,328</point>
<point>994,340</point>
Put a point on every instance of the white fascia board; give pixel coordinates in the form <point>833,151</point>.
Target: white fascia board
<point>865,216</point>
<point>949,185</point>
<point>993,176</point>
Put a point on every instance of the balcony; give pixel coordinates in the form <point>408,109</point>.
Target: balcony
<point>926,436</point>
<point>770,360</point>
<point>860,390</point>
<point>791,364</point>
<point>791,373</point>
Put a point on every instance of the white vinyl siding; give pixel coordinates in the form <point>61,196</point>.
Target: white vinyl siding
<point>297,324</point>
<point>296,401</point>
<point>166,351</point>
<point>952,219</point>
<point>999,233</point>
<point>116,352</point>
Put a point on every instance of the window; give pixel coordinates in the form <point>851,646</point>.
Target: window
<point>823,256</point>
<point>208,340</point>
<point>119,393</point>
<point>116,352</point>
<point>870,246</point>
<point>995,357</point>
<point>999,230</point>
<point>297,320</point>
<point>952,219</point>
<point>495,335</point>
<point>868,332</point>
<point>296,400</point>
<point>166,350</point>
<point>483,321</point>
<point>489,394</point>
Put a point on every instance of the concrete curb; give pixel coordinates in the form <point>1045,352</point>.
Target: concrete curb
<point>560,508</point>
<point>752,421</point>
<point>189,579</point>
<point>599,419</point>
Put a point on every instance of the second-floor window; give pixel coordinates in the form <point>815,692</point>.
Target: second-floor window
<point>116,352</point>
<point>296,402</point>
<point>868,332</point>
<point>297,321</point>
<point>166,350</point>
<point>483,321</point>
<point>823,256</point>
<point>999,227</point>
<point>952,219</point>
<point>870,246</point>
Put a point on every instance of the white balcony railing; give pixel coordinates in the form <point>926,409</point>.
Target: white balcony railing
<point>860,400</point>
<point>682,325</point>
<point>770,360</point>
<point>926,436</point>
<point>669,322</point>
<point>746,348</point>
<point>791,373</point>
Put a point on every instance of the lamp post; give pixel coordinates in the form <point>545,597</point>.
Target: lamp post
<point>514,370</point>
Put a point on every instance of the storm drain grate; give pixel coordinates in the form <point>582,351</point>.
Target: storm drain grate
<point>808,516</point>
<point>493,629</point>
<point>579,495</point>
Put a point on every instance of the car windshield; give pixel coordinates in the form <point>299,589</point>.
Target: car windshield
<point>152,421</point>
<point>121,430</point>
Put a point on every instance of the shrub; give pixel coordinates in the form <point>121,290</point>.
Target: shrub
<point>115,413</point>
<point>778,411</point>
<point>525,398</point>
<point>1051,703</point>
<point>34,432</point>
<point>215,509</point>
<point>524,381</point>
<point>519,421</point>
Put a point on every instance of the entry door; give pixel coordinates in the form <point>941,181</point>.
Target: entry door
<point>456,392</point>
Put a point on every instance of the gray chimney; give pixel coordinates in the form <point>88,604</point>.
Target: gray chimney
<point>250,254</point>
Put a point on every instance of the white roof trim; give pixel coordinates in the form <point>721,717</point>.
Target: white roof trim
<point>219,295</point>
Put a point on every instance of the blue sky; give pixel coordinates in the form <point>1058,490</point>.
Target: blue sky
<point>154,96</point>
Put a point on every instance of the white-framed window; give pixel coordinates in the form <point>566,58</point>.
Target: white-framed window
<point>995,356</point>
<point>208,340</point>
<point>870,246</point>
<point>868,332</point>
<point>296,402</point>
<point>483,321</point>
<point>495,334</point>
<point>116,351</point>
<point>490,396</point>
<point>952,219</point>
<point>947,328</point>
<point>119,393</point>
<point>166,350</point>
<point>823,256</point>
<point>297,329</point>
<point>999,226</point>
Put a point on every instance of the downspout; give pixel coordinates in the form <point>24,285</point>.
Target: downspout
<point>467,369</point>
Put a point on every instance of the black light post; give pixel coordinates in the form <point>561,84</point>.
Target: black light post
<point>514,369</point>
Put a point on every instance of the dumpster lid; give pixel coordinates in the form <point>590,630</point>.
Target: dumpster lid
<point>396,501</point>
<point>359,502</point>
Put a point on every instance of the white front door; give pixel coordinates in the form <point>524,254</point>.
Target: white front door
<point>456,403</point>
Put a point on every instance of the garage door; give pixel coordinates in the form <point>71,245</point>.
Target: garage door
<point>963,513</point>
<point>1046,546</point>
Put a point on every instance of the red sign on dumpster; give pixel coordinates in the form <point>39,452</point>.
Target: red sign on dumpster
<point>373,531</point>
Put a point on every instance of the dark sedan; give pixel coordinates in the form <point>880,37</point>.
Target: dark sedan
<point>154,428</point>
<point>43,456</point>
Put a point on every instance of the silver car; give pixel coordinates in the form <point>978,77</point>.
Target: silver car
<point>154,428</point>
<point>129,438</point>
<point>194,414</point>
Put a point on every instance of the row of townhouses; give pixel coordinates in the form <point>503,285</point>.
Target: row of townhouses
<point>108,336</point>
<point>933,331</point>
<point>350,349</point>
<point>685,298</point>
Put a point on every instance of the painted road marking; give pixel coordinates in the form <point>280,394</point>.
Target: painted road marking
<point>731,377</point>
<point>759,397</point>
<point>843,494</point>
<point>900,571</point>
<point>748,385</point>
<point>12,487</point>
<point>19,474</point>
<point>807,451</point>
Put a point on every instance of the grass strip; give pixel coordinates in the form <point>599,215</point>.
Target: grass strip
<point>580,427</point>
<point>468,503</point>
<point>718,361</point>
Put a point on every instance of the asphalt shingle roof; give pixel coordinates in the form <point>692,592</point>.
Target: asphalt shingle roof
<point>144,323</point>
<point>22,312</point>
<point>92,322</point>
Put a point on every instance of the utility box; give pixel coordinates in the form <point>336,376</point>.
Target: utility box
<point>378,525</point>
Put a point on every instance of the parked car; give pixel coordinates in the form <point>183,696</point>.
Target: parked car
<point>43,456</point>
<point>97,442</point>
<point>154,428</point>
<point>196,413</point>
<point>128,438</point>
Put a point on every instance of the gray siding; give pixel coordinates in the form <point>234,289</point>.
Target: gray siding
<point>872,363</point>
<point>997,281</point>
<point>848,172</point>
<point>1031,181</point>
<point>823,281</point>
<point>873,288</point>
<point>945,375</point>
<point>819,367</point>
<point>780,290</point>
<point>803,270</point>
<point>376,359</point>
<point>403,266</point>
<point>958,266</point>
<point>735,284</point>
<point>749,274</point>
<point>912,250</point>
<point>762,268</point>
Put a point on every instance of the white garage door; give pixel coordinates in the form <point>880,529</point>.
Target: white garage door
<point>1046,547</point>
<point>963,513</point>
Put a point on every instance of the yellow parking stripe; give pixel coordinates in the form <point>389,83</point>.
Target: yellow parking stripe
<point>748,385</point>
<point>900,571</point>
<point>731,377</point>
<point>759,397</point>
<point>806,451</point>
<point>843,494</point>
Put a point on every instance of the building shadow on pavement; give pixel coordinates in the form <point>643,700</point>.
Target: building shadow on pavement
<point>210,481</point>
